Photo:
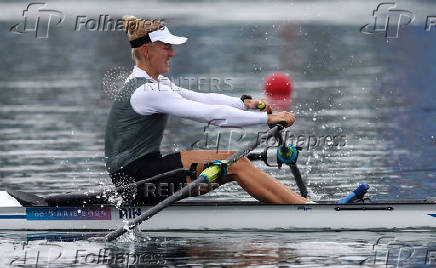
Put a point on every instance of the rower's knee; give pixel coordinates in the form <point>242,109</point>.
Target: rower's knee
<point>241,165</point>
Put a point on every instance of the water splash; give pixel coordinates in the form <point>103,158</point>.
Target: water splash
<point>113,79</point>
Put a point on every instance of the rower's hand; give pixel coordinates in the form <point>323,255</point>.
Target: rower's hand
<point>260,104</point>
<point>286,117</point>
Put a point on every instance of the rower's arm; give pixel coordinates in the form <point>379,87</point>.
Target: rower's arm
<point>147,100</point>
<point>211,98</point>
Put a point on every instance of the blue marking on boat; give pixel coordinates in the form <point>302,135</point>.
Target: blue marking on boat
<point>433,215</point>
<point>303,208</point>
<point>8,217</point>
<point>67,213</point>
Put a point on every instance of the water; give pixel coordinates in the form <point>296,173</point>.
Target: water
<point>376,93</point>
<point>228,249</point>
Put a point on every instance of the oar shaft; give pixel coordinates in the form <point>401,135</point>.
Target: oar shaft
<point>186,190</point>
<point>299,180</point>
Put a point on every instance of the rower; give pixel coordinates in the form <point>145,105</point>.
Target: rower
<point>139,114</point>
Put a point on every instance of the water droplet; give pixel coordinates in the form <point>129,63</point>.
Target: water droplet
<point>113,79</point>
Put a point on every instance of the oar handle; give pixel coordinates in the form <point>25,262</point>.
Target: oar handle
<point>261,106</point>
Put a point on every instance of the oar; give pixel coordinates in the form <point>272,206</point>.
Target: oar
<point>209,175</point>
<point>298,179</point>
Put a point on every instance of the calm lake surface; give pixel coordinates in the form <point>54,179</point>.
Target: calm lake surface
<point>376,93</point>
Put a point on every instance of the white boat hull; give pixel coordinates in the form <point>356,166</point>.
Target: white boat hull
<point>227,216</point>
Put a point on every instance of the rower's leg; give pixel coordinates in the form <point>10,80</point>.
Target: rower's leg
<point>258,184</point>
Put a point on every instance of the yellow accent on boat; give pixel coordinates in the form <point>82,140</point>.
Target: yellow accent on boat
<point>212,173</point>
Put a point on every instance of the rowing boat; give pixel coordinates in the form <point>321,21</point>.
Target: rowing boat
<point>225,215</point>
<point>92,211</point>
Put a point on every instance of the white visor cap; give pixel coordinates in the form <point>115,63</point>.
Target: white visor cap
<point>165,36</point>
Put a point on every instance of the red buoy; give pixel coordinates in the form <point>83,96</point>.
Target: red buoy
<point>278,88</point>
<point>278,84</point>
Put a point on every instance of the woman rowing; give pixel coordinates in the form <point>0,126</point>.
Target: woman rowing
<point>139,113</point>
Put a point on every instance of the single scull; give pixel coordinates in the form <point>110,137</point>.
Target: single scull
<point>224,215</point>
<point>91,211</point>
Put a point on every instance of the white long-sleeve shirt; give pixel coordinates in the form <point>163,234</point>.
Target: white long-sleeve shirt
<point>165,97</point>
